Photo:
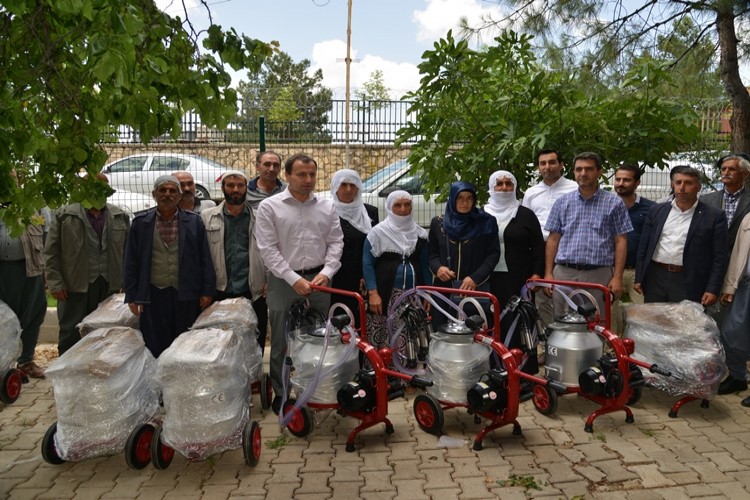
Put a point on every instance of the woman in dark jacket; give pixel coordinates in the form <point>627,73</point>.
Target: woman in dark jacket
<point>464,248</point>
<point>521,244</point>
<point>357,219</point>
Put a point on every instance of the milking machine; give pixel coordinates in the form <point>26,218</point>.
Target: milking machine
<point>458,361</point>
<point>322,366</point>
<point>577,361</point>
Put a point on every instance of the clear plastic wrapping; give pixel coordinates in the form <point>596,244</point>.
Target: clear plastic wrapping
<point>112,311</point>
<point>455,364</point>
<point>10,337</point>
<point>680,338</point>
<point>239,316</point>
<point>104,388</point>
<point>205,382</point>
<point>305,349</point>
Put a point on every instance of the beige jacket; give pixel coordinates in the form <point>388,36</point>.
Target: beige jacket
<point>213,219</point>
<point>738,259</point>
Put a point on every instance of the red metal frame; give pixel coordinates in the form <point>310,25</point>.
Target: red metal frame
<point>511,359</point>
<point>379,415</point>
<point>622,348</point>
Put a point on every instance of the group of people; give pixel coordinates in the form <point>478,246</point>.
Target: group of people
<point>270,241</point>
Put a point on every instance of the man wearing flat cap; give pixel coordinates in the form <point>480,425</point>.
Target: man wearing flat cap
<point>234,251</point>
<point>168,275</point>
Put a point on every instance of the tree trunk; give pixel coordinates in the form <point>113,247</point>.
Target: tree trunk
<point>730,77</point>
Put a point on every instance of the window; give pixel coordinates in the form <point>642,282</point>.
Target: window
<point>132,164</point>
<point>169,164</point>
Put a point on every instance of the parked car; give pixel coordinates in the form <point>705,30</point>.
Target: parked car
<point>138,172</point>
<point>394,177</point>
<point>131,203</point>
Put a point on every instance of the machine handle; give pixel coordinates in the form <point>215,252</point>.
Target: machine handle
<point>557,386</point>
<point>420,382</point>
<point>656,369</point>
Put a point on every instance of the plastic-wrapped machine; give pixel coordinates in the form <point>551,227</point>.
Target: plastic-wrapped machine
<point>205,386</point>
<point>239,316</point>
<point>112,311</point>
<point>680,338</point>
<point>455,362</point>
<point>104,388</point>
<point>10,337</point>
<point>340,364</point>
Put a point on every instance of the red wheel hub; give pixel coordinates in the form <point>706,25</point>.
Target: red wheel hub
<point>425,415</point>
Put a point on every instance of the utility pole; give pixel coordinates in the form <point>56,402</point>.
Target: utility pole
<point>348,71</point>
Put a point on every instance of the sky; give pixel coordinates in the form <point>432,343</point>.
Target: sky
<point>389,35</point>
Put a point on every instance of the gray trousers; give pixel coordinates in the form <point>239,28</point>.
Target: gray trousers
<point>25,296</point>
<point>735,331</point>
<point>70,312</point>
<point>600,275</point>
<point>280,298</point>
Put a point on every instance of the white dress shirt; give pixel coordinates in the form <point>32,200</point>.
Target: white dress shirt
<point>671,244</point>
<point>541,197</point>
<point>293,235</point>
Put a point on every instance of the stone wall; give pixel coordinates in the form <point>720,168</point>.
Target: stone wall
<point>365,159</point>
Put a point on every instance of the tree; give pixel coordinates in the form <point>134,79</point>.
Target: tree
<point>605,33</point>
<point>479,111</point>
<point>73,70</point>
<point>374,91</point>
<point>282,78</point>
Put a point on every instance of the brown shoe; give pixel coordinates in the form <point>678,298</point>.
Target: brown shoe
<point>32,370</point>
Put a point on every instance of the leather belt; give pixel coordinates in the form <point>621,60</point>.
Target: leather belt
<point>672,268</point>
<point>579,267</point>
<point>312,270</point>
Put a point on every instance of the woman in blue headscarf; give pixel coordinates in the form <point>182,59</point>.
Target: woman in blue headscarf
<point>463,244</point>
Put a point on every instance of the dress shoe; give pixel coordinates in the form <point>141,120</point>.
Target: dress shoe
<point>276,405</point>
<point>746,402</point>
<point>731,385</point>
<point>32,369</point>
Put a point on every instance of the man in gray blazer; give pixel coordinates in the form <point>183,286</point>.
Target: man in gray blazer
<point>734,199</point>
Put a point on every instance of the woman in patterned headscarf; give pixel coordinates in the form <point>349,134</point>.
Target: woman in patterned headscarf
<point>464,248</point>
<point>357,219</point>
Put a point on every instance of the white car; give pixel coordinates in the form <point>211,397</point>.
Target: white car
<point>397,176</point>
<point>138,172</point>
<point>131,203</point>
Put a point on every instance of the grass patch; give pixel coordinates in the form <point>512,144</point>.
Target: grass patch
<point>278,443</point>
<point>600,437</point>
<point>648,432</point>
<point>527,482</point>
<point>51,301</point>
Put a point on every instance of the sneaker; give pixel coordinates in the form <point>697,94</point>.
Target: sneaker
<point>32,370</point>
<point>731,385</point>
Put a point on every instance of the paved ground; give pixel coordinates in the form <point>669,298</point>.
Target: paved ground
<point>703,453</point>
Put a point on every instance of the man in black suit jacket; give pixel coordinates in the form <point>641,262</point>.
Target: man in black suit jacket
<point>734,199</point>
<point>682,254</point>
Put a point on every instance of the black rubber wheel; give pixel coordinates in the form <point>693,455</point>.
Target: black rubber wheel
<point>49,452</point>
<point>161,454</point>
<point>544,399</point>
<point>11,388</point>
<point>635,396</point>
<point>266,391</point>
<point>301,423</point>
<point>138,446</point>
<point>429,414</point>
<point>251,443</point>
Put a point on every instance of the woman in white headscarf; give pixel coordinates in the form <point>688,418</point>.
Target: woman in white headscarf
<point>522,249</point>
<point>521,240</point>
<point>394,260</point>
<point>357,219</point>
